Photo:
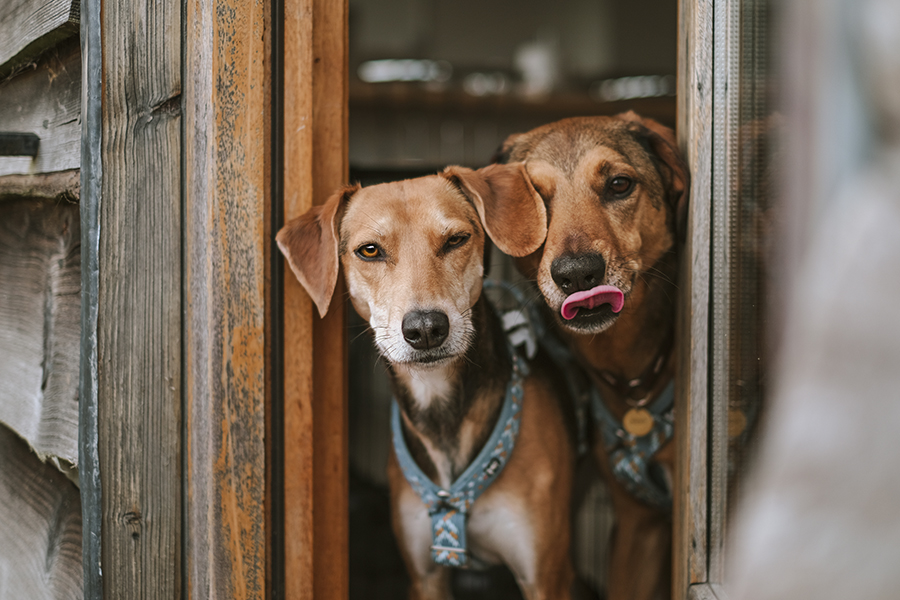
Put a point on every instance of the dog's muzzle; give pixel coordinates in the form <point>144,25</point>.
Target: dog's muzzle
<point>425,329</point>
<point>578,273</point>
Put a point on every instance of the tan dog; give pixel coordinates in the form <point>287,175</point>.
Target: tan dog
<point>615,190</point>
<point>412,254</point>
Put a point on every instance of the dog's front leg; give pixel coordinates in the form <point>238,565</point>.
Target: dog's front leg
<point>412,530</point>
<point>534,546</point>
<point>434,585</point>
<point>640,565</point>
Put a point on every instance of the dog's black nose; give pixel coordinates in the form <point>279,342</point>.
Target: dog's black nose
<point>578,273</point>
<point>424,329</point>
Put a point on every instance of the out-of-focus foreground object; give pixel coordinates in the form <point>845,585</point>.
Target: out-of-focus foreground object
<point>820,517</point>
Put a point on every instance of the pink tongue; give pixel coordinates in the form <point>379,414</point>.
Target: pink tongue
<point>592,298</point>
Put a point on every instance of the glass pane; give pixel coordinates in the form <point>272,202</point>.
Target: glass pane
<point>745,178</point>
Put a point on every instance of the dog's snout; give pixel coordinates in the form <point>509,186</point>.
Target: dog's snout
<point>578,273</point>
<point>424,329</point>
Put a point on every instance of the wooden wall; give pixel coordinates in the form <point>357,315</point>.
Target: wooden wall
<point>40,276</point>
<point>40,526</point>
<point>40,302</point>
<point>30,27</point>
<point>139,374</point>
<point>45,99</point>
<point>185,330</point>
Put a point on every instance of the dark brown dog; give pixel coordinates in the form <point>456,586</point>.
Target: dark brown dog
<point>412,256</point>
<point>615,190</point>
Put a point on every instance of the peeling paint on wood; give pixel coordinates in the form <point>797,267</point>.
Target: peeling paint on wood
<point>227,145</point>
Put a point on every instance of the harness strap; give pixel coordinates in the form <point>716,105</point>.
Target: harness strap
<point>631,457</point>
<point>526,327</point>
<point>449,508</point>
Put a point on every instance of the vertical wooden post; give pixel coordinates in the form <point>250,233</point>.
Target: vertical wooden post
<point>315,401</point>
<point>89,208</point>
<point>227,202</point>
<point>138,327</point>
<point>695,129</point>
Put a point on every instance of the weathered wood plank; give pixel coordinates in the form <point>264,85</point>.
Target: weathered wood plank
<point>315,140</point>
<point>695,121</point>
<point>63,186</point>
<point>91,176</point>
<point>227,179</point>
<point>40,526</point>
<point>139,301</point>
<point>40,323</point>
<point>29,27</point>
<point>46,101</point>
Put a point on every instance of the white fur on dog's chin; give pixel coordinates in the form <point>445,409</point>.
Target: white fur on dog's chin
<point>426,385</point>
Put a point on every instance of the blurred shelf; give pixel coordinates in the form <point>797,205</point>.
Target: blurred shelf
<point>433,99</point>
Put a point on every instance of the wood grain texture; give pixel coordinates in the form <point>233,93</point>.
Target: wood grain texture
<point>29,27</point>
<point>46,101</point>
<point>62,186</point>
<point>40,526</point>
<point>315,134</point>
<point>227,181</point>
<point>695,119</point>
<point>139,375</point>
<point>91,188</point>
<point>40,323</point>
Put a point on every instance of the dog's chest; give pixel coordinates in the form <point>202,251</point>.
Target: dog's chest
<point>452,457</point>
<point>500,530</point>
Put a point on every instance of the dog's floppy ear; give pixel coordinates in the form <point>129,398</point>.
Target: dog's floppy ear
<point>310,245</point>
<point>674,170</point>
<point>511,210</point>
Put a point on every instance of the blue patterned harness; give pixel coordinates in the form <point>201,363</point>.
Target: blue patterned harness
<point>449,509</point>
<point>631,457</point>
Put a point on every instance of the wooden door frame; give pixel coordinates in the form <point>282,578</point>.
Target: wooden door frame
<point>709,100</point>
<point>315,350</point>
<point>309,155</point>
<point>176,121</point>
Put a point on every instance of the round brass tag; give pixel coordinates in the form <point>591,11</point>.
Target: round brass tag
<point>638,421</point>
<point>737,422</point>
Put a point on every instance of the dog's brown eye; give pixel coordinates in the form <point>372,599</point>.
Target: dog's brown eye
<point>369,252</point>
<point>456,240</point>
<point>620,185</point>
